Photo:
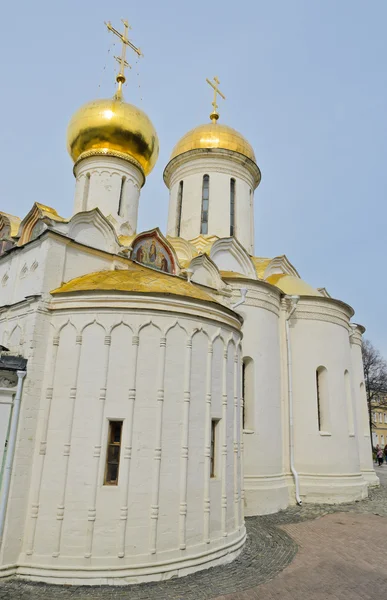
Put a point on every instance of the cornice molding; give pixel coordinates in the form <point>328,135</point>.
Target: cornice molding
<point>167,305</point>
<point>239,165</point>
<point>259,294</point>
<point>110,154</point>
<point>324,309</point>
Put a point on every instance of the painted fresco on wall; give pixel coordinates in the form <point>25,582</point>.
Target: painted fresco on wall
<point>151,252</point>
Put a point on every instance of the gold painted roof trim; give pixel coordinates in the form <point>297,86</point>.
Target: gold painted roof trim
<point>50,212</point>
<point>260,265</point>
<point>289,284</point>
<point>136,279</point>
<point>13,222</point>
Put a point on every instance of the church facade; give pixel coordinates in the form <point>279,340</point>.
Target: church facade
<point>156,389</point>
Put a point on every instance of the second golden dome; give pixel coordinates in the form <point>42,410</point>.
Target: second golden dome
<point>214,135</point>
<point>111,125</point>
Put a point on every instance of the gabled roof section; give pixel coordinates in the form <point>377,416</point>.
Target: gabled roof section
<point>260,265</point>
<point>205,272</point>
<point>324,292</point>
<point>9,225</point>
<point>280,264</point>
<point>203,243</point>
<point>229,255</point>
<point>185,251</point>
<point>93,229</point>
<point>39,212</point>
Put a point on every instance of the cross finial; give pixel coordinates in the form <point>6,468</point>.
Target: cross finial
<point>122,60</point>
<point>214,116</point>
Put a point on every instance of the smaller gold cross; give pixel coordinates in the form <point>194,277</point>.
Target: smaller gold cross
<point>214,116</point>
<point>122,60</point>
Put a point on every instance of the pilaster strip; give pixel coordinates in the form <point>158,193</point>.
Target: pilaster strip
<point>92,510</point>
<point>207,447</point>
<point>154,513</point>
<point>42,451</point>
<point>224,446</point>
<point>241,447</point>
<point>184,447</point>
<point>236,443</point>
<point>67,448</point>
<point>128,450</point>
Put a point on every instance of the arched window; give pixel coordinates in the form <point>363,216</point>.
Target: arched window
<point>348,396</point>
<point>232,206</point>
<point>205,204</point>
<point>322,390</point>
<point>121,195</point>
<point>179,207</point>
<point>248,393</point>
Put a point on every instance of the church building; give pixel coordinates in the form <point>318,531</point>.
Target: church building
<point>156,388</point>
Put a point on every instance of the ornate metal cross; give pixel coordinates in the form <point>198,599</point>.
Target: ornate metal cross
<point>214,116</point>
<point>122,60</point>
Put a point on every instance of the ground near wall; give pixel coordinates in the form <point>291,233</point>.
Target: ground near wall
<point>341,554</point>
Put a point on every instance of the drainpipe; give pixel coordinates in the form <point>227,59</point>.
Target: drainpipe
<point>243,298</point>
<point>294,300</point>
<point>10,452</point>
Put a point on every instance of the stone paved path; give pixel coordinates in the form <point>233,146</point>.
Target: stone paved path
<point>342,554</point>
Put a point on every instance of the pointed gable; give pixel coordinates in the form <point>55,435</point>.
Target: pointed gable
<point>229,255</point>
<point>36,221</point>
<point>93,229</point>
<point>204,272</point>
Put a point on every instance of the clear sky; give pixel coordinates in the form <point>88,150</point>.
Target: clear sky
<point>306,83</point>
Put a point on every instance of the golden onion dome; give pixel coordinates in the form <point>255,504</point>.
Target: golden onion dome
<point>214,135</point>
<point>113,127</point>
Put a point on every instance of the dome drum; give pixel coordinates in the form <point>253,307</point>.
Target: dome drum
<point>211,153</point>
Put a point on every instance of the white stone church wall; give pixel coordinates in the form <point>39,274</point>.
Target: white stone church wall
<point>361,410</point>
<point>327,460</point>
<point>166,378</point>
<point>265,483</point>
<point>25,329</point>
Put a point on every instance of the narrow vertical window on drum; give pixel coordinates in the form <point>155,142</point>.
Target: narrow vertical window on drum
<point>232,206</point>
<point>179,208</point>
<point>205,204</point>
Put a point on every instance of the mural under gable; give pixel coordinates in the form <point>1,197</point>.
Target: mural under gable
<point>151,251</point>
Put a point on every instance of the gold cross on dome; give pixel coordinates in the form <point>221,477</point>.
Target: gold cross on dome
<point>214,116</point>
<point>122,60</point>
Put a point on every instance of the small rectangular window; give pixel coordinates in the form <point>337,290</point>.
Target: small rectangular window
<point>380,418</point>
<point>113,453</point>
<point>214,442</point>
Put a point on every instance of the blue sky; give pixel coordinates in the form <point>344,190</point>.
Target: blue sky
<point>306,83</point>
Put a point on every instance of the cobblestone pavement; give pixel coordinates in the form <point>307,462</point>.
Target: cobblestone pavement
<point>342,554</point>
